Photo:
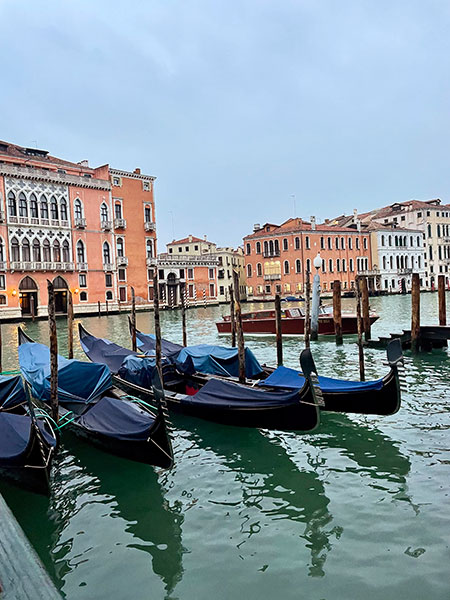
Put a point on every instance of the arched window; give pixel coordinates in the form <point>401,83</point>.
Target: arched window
<point>330,265</point>
<point>15,252</point>
<point>384,262</point>
<point>65,251</point>
<point>23,205</point>
<point>63,209</point>
<point>390,240</point>
<point>365,243</point>
<point>149,248</point>
<point>382,240</point>
<point>106,253</point>
<point>391,262</point>
<point>147,213</point>
<point>429,229</point>
<point>120,249</point>
<point>297,243</point>
<point>34,213</point>
<point>249,270</point>
<point>330,244</point>
<point>298,266</point>
<point>46,254</point>
<point>83,296</point>
<point>78,209</point>
<point>286,267</point>
<point>259,270</point>
<point>266,248</point>
<point>342,243</point>
<point>12,206</point>
<point>258,247</point>
<point>54,208</point>
<point>2,299</point>
<point>308,265</point>
<point>277,247</point>
<point>26,254</point>
<point>103,212</point>
<point>80,252</point>
<point>56,251</point>
<point>271,247</point>
<point>2,250</point>
<point>438,229</point>
<point>44,207</point>
<point>248,249</point>
<point>307,242</point>
<point>109,295</point>
<point>285,244</point>
<point>36,251</point>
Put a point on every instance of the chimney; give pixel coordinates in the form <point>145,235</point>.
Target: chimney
<point>137,171</point>
<point>313,223</point>
<point>204,237</point>
<point>256,227</point>
<point>358,225</point>
<point>327,221</point>
<point>190,237</point>
<point>84,163</point>
<point>355,215</point>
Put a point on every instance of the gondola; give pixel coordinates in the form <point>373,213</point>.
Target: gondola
<point>27,441</point>
<point>93,409</point>
<point>218,400</point>
<point>379,397</point>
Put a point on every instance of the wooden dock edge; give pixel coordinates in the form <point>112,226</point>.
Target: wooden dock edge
<point>22,575</point>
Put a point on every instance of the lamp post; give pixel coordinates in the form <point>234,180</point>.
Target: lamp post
<point>317,262</point>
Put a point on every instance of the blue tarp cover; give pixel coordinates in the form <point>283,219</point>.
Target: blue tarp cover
<point>12,391</point>
<point>77,381</point>
<point>103,351</point>
<point>117,419</point>
<point>290,378</point>
<point>226,394</point>
<point>203,358</point>
<point>138,370</point>
<point>14,435</point>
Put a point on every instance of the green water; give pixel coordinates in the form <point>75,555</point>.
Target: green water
<point>358,509</point>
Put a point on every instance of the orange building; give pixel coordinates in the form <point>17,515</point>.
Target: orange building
<point>277,257</point>
<point>67,222</point>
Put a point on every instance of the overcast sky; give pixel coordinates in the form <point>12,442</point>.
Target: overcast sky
<point>241,109</point>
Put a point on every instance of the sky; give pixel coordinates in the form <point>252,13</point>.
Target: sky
<point>246,111</point>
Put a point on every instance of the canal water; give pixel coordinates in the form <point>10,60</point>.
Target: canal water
<point>360,508</point>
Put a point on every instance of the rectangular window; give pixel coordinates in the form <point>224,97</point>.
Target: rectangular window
<point>2,282</point>
<point>82,280</point>
<point>181,273</point>
<point>191,290</point>
<point>211,274</point>
<point>150,292</point>
<point>118,210</point>
<point>108,280</point>
<point>350,243</point>
<point>187,249</point>
<point>122,273</point>
<point>221,290</point>
<point>357,243</point>
<point>307,242</point>
<point>351,265</point>
<point>330,265</point>
<point>122,294</point>
<point>190,273</point>
<point>161,274</point>
<point>212,290</point>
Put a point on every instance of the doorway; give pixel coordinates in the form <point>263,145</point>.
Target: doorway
<point>28,296</point>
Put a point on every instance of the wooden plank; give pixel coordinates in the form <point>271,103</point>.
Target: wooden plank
<point>22,575</point>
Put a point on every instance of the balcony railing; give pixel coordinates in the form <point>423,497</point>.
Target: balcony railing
<point>271,254</point>
<point>149,226</point>
<point>122,261</point>
<point>106,225</point>
<point>151,261</point>
<point>108,267</point>
<point>272,276</point>
<point>82,266</point>
<point>80,223</point>
<point>405,271</point>
<point>120,224</point>
<point>25,265</point>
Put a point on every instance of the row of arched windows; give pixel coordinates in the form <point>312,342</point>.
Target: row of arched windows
<point>34,207</point>
<point>272,247</point>
<point>341,266</point>
<point>401,262</point>
<point>35,251</point>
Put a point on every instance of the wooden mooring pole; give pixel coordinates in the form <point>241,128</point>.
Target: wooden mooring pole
<point>133,320</point>
<point>99,310</point>
<point>1,364</point>
<point>365,307</point>
<point>278,329</point>
<point>157,321</point>
<point>232,318</point>
<point>441,299</point>
<point>183,319</point>
<point>337,311</point>
<point>53,351</point>
<point>32,308</point>
<point>307,328</point>
<point>239,330</point>
<point>359,324</point>
<point>415,312</point>
<point>69,324</point>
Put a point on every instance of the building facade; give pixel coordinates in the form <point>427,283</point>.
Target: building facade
<point>277,257</point>
<point>60,221</point>
<point>230,260</point>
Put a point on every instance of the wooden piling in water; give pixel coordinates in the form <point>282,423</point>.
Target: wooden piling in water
<point>441,300</point>
<point>32,308</point>
<point>278,329</point>
<point>99,311</point>
<point>365,307</point>
<point>157,322</point>
<point>415,312</point>
<point>359,324</point>
<point>232,317</point>
<point>107,307</point>
<point>239,330</point>
<point>53,351</point>
<point>307,329</point>
<point>183,319</point>
<point>69,324</point>
<point>133,320</point>
<point>1,363</point>
<point>337,311</point>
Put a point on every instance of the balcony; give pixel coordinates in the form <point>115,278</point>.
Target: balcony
<point>106,225</point>
<point>151,261</point>
<point>120,224</point>
<point>122,261</point>
<point>80,223</point>
<point>272,277</point>
<point>150,226</point>
<point>404,271</point>
<point>271,254</point>
<point>82,266</point>
<point>2,216</point>
<point>108,267</point>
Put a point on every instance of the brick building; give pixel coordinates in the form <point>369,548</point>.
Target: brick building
<point>89,230</point>
<point>278,256</point>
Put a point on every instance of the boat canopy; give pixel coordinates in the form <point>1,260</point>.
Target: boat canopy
<point>203,358</point>
<point>220,394</point>
<point>284,377</point>
<point>101,350</point>
<point>77,381</point>
<point>138,370</point>
<point>14,435</point>
<point>12,392</point>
